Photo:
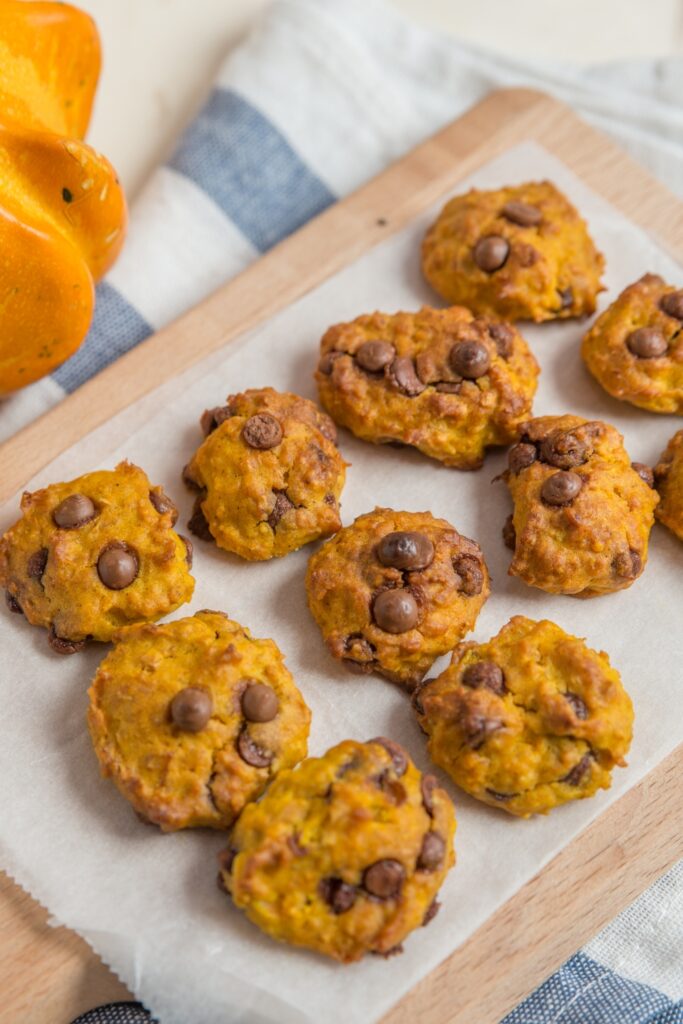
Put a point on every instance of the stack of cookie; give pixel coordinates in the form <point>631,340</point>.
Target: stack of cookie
<point>200,724</point>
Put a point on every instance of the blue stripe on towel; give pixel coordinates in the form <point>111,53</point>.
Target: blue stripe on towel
<point>117,327</point>
<point>249,169</point>
<point>585,992</point>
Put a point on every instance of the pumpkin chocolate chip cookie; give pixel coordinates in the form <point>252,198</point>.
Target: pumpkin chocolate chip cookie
<point>635,348</point>
<point>193,718</point>
<point>583,513</point>
<point>93,554</point>
<point>444,381</point>
<point>521,253</point>
<point>394,591</point>
<point>345,854</point>
<point>269,475</point>
<point>668,476</point>
<point>528,721</point>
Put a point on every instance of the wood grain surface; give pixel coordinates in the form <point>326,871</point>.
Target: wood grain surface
<point>50,975</point>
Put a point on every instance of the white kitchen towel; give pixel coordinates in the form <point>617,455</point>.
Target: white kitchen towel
<point>321,96</point>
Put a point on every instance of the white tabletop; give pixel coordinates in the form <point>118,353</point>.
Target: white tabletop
<point>160,55</point>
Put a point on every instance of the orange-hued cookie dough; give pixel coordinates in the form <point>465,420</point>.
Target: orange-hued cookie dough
<point>345,854</point>
<point>394,591</point>
<point>582,514</point>
<point>635,348</point>
<point>528,721</point>
<point>444,381</point>
<point>520,253</point>
<point>269,475</point>
<point>94,554</point>
<point>193,718</point>
<point>669,483</point>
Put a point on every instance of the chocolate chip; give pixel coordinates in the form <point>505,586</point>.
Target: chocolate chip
<point>189,480</point>
<point>293,842</point>
<point>191,709</point>
<point>644,472</point>
<point>470,359</point>
<point>61,646</point>
<point>163,504</point>
<point>280,508</point>
<point>36,564</point>
<point>189,550</point>
<point>561,488</point>
<point>250,752</point>
<point>524,214</point>
<point>391,788</point>
<point>359,654</point>
<point>577,774</point>
<point>503,337</point>
<point>521,456</point>
<point>647,343</point>
<point>373,356</point>
<point>212,418</point>
<point>509,533</point>
<point>405,550</point>
<point>74,511</point>
<point>477,728</point>
<point>501,797</point>
<point>447,387</point>
<point>117,565</point>
<point>564,450</point>
<point>566,297</point>
<point>197,523</point>
<point>490,253</point>
<point>432,911</point>
<point>627,564</point>
<point>471,574</point>
<point>577,704</point>
<point>339,895</point>
<point>398,755</point>
<point>402,375</point>
<point>485,675</point>
<point>259,703</point>
<point>428,784</point>
<point>395,611</point>
<point>13,604</point>
<point>432,853</point>
<point>384,879</point>
<point>327,361</point>
<point>672,304</point>
<point>262,431</point>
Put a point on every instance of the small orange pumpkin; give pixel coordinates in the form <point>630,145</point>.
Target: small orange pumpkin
<point>62,209</point>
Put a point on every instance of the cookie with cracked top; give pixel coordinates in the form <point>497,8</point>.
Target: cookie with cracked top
<point>519,253</point>
<point>582,511</point>
<point>394,591</point>
<point>95,553</point>
<point>668,479</point>
<point>635,348</point>
<point>528,721</point>
<point>193,718</point>
<point>440,380</point>
<point>345,855</point>
<point>268,473</point>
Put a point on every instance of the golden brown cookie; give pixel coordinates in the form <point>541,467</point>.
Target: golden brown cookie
<point>520,253</point>
<point>635,348</point>
<point>530,720</point>
<point>583,513</point>
<point>346,854</point>
<point>442,381</point>
<point>93,554</point>
<point>668,477</point>
<point>394,591</point>
<point>269,475</point>
<point>193,718</point>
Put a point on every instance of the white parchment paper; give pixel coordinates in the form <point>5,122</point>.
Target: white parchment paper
<point>147,902</point>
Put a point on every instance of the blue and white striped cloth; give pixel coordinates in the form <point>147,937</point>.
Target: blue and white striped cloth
<point>324,94</point>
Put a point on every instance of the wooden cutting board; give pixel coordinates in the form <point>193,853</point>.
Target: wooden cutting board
<point>50,974</point>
